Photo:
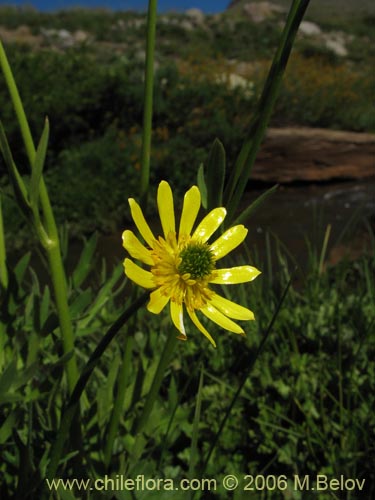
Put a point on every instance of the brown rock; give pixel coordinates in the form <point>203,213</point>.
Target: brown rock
<point>311,154</point>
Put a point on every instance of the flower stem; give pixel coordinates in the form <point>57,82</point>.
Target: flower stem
<point>52,245</point>
<point>148,100</point>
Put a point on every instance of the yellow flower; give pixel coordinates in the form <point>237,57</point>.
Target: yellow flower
<point>183,264</point>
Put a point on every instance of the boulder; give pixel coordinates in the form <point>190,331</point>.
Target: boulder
<point>309,29</point>
<point>257,11</point>
<point>195,15</point>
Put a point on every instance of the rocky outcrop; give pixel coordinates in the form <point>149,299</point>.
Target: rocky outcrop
<point>314,155</point>
<point>257,11</point>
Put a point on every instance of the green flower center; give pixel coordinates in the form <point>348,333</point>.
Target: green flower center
<point>197,260</point>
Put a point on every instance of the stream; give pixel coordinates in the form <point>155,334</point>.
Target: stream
<point>297,212</point>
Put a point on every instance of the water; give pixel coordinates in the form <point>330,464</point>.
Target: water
<point>295,213</point>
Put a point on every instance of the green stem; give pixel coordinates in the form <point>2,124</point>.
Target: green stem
<point>68,415</point>
<point>239,178</point>
<point>52,245</point>
<point>66,327</point>
<point>148,100</point>
<point>122,378</point>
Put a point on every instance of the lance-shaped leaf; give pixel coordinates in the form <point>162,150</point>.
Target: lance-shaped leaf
<point>85,263</point>
<point>38,165</point>
<point>215,175</point>
<point>19,187</point>
<point>202,185</point>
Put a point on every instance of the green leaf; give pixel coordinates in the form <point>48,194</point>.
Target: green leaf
<point>21,267</point>
<point>102,297</point>
<point>22,377</point>
<point>44,306</point>
<point>7,377</point>
<point>19,187</point>
<point>106,390</point>
<point>85,261</point>
<point>7,427</point>
<point>251,209</point>
<point>202,185</point>
<point>80,303</point>
<point>215,175</point>
<point>37,168</point>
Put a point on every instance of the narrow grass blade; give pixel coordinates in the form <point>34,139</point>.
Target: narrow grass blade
<point>324,249</point>
<point>19,187</point>
<point>84,265</point>
<point>202,185</point>
<point>215,175</point>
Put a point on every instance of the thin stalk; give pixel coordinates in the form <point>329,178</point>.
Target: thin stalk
<point>324,250</point>
<point>122,378</point>
<point>239,178</point>
<point>148,99</point>
<point>70,411</point>
<point>61,292</point>
<point>53,244</point>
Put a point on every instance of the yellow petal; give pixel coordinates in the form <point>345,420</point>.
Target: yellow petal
<point>234,275</point>
<point>190,209</point>
<point>228,241</point>
<point>166,209</point>
<point>217,317</point>
<point>209,224</point>
<point>135,248</point>
<point>177,315</point>
<point>231,309</point>
<point>140,222</point>
<point>138,275</point>
<point>200,327</point>
<point>157,301</point>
